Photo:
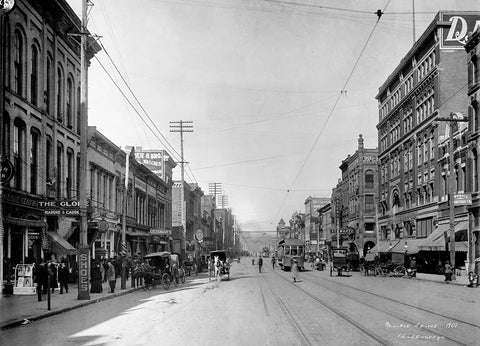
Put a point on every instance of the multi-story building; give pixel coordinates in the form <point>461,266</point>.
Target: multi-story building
<point>40,116</point>
<point>429,82</point>
<point>312,204</point>
<point>473,166</point>
<point>325,227</point>
<point>353,199</point>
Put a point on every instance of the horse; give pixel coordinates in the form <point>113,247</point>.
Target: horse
<point>144,271</point>
<point>217,266</point>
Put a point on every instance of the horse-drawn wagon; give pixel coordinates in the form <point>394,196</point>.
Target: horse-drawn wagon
<point>219,263</point>
<point>339,261</point>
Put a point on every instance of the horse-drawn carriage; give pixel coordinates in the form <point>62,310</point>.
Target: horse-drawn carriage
<point>220,264</point>
<point>160,267</point>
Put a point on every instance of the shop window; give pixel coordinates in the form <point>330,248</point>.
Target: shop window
<point>19,147</point>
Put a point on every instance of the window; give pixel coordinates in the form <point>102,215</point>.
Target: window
<point>369,203</point>
<point>48,91</point>
<point>475,170</point>
<point>69,103</point>
<point>424,227</point>
<point>59,168</point>
<point>19,145</point>
<point>34,152</point>
<point>49,163</point>
<point>369,180</point>
<point>18,63</point>
<point>60,94</point>
<point>34,77</point>
<point>69,178</point>
<point>6,135</point>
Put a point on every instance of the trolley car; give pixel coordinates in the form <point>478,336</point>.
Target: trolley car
<point>288,250</point>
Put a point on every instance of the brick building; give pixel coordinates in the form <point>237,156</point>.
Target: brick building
<point>428,82</point>
<point>353,200</point>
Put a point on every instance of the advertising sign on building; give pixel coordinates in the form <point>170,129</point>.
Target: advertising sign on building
<point>462,199</point>
<point>454,36</point>
<point>153,160</point>
<point>60,207</point>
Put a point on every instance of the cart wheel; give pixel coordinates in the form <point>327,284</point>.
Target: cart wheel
<point>182,277</point>
<point>400,271</point>
<point>175,279</point>
<point>166,281</point>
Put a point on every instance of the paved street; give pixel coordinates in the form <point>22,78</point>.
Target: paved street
<point>269,309</point>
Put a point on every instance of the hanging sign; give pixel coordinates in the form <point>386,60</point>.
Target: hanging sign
<point>6,6</point>
<point>7,171</point>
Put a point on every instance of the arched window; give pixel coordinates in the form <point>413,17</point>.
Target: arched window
<point>59,168</point>
<point>49,163</point>
<point>6,135</point>
<point>47,97</point>
<point>18,63</point>
<point>60,92</point>
<point>34,157</point>
<point>19,145</point>
<point>475,170</point>
<point>70,172</point>
<point>34,76</point>
<point>69,103</point>
<point>369,179</point>
<point>78,110</point>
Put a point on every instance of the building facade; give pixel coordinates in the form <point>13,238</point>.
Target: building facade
<point>326,227</point>
<point>40,117</point>
<point>472,48</point>
<point>312,237</point>
<point>353,200</point>
<point>429,82</point>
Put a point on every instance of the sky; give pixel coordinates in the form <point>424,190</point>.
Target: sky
<point>262,82</point>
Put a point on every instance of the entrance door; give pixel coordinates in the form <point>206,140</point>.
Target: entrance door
<point>17,247</point>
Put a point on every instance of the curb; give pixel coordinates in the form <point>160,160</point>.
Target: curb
<point>19,322</point>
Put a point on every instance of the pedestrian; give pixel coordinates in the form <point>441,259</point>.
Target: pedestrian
<point>472,279</point>
<point>41,279</point>
<point>63,277</point>
<point>96,278</point>
<point>111,278</point>
<point>105,267</point>
<point>439,268</point>
<point>295,270</point>
<point>102,268</point>
<point>52,270</point>
<point>260,263</point>
<point>448,272</point>
<point>273,262</point>
<point>253,261</point>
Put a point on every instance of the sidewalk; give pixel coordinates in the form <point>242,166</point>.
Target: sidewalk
<point>15,309</point>
<point>460,280</point>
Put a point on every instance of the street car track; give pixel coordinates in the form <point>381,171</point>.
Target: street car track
<point>287,312</point>
<point>396,316</point>
<point>328,306</point>
<point>399,302</point>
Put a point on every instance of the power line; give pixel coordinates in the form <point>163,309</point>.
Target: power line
<point>343,90</point>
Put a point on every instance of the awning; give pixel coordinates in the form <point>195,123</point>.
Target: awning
<point>25,222</point>
<point>412,246</point>
<point>60,246</point>
<point>436,240</point>
<point>384,246</point>
<point>353,224</point>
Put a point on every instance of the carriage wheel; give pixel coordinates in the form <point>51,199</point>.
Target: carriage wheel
<point>175,278</point>
<point>182,276</point>
<point>166,281</point>
<point>400,271</point>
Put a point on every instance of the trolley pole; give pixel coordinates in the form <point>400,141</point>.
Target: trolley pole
<point>182,126</point>
<point>454,118</point>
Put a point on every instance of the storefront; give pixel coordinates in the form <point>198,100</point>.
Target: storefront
<point>159,240</point>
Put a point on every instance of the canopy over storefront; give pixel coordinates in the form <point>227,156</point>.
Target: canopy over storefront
<point>384,246</point>
<point>60,246</point>
<point>436,240</point>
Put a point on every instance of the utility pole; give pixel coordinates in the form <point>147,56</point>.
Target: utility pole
<point>454,118</point>
<point>413,17</point>
<point>213,189</point>
<point>182,126</point>
<point>123,244</point>
<point>84,252</point>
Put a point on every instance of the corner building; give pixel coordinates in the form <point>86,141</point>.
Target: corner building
<point>429,82</point>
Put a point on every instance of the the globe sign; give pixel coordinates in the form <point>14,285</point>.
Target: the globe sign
<point>6,6</point>
<point>7,171</point>
<point>199,235</point>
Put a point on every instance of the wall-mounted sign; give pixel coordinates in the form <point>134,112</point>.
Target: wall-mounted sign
<point>199,235</point>
<point>60,207</point>
<point>165,232</point>
<point>454,36</point>
<point>462,199</point>
<point>152,159</point>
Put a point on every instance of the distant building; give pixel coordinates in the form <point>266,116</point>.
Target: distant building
<point>353,200</point>
<point>312,205</point>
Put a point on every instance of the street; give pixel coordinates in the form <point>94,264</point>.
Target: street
<point>269,309</point>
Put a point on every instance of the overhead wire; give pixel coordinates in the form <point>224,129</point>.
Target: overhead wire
<point>332,110</point>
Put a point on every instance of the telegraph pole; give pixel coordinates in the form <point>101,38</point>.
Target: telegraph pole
<point>454,118</point>
<point>212,188</point>
<point>182,126</point>
<point>84,252</point>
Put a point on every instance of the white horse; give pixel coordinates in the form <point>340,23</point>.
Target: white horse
<point>218,266</point>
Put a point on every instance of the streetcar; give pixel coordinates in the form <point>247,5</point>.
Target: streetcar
<point>288,250</point>
<point>266,252</point>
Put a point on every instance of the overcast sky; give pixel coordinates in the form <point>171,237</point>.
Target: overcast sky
<point>261,82</point>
